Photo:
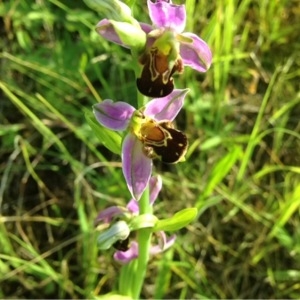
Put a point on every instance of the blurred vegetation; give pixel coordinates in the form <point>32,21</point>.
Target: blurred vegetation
<point>242,170</point>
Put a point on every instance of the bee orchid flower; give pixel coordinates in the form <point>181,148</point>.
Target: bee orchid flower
<point>149,134</point>
<point>167,48</point>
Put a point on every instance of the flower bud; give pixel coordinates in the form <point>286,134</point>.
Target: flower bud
<point>118,231</point>
<point>112,9</point>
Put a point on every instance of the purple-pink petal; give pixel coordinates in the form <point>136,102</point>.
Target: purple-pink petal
<point>113,115</point>
<point>133,206</point>
<point>197,54</point>
<point>109,213</point>
<point>137,167</point>
<point>164,14</point>
<point>164,243</point>
<point>125,257</point>
<point>166,108</point>
<point>106,30</point>
<point>146,27</point>
<point>155,185</point>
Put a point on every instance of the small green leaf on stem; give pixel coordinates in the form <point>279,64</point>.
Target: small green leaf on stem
<point>178,221</point>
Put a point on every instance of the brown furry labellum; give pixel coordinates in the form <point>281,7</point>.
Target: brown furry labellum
<point>156,78</point>
<point>161,140</point>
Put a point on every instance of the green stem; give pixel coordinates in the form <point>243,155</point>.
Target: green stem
<point>144,241</point>
<point>132,276</point>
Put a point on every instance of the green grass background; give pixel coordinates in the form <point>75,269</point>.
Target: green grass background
<point>242,170</point>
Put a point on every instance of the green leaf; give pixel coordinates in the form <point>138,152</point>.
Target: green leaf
<point>110,139</point>
<point>178,221</point>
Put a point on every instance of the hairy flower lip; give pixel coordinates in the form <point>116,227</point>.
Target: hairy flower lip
<point>157,71</point>
<point>170,146</point>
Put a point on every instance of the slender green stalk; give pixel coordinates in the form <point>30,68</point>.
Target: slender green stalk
<point>126,279</point>
<point>144,241</point>
<point>133,274</point>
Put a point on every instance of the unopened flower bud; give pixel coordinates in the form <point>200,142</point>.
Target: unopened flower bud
<point>118,231</point>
